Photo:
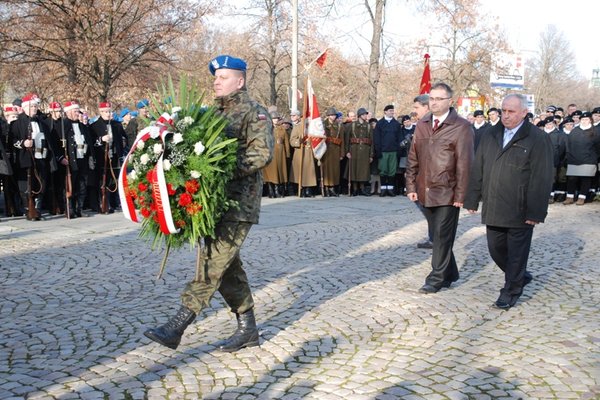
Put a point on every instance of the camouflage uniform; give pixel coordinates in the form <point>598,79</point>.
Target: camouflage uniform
<point>250,123</point>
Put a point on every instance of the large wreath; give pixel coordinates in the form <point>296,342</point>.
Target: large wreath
<point>177,170</point>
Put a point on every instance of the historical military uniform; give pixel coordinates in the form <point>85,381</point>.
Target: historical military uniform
<point>107,156</point>
<point>12,201</point>
<point>335,151</point>
<point>359,140</point>
<point>36,162</point>
<point>303,164</point>
<point>275,173</point>
<point>221,266</point>
<point>76,145</point>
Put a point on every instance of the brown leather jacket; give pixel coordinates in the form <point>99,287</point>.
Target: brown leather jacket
<point>439,163</point>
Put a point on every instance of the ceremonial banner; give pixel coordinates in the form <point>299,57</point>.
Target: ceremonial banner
<point>508,71</point>
<point>314,124</point>
<point>425,86</point>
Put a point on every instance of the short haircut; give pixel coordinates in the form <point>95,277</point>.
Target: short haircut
<point>522,99</point>
<point>422,99</point>
<point>444,86</point>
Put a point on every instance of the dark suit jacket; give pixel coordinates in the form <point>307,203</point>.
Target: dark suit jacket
<point>514,182</point>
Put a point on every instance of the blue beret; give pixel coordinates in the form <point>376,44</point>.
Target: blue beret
<point>226,62</point>
<point>134,114</point>
<point>124,112</point>
<point>143,103</point>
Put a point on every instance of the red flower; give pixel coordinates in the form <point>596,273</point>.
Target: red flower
<point>170,190</point>
<point>185,199</point>
<point>145,212</point>
<point>133,193</point>
<point>193,208</point>
<point>142,187</point>
<point>180,223</point>
<point>192,186</point>
<point>150,176</point>
<point>153,206</point>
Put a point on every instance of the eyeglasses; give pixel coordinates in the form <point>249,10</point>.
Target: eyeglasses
<point>436,99</point>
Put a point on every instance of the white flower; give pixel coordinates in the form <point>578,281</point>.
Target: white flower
<point>132,174</point>
<point>140,145</point>
<point>198,148</point>
<point>157,148</point>
<point>175,110</point>
<point>195,174</point>
<point>166,165</point>
<point>154,132</point>
<point>188,120</point>
<point>144,159</point>
<point>177,138</point>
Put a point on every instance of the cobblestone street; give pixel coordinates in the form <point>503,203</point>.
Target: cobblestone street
<point>335,284</point>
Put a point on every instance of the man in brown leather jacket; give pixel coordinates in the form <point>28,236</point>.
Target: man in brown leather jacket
<point>437,176</point>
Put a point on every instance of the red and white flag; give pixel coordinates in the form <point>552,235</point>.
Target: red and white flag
<point>320,61</point>
<point>314,124</point>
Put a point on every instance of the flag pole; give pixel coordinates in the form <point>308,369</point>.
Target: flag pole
<point>303,122</point>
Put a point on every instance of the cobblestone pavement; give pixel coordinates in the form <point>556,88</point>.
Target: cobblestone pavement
<point>335,284</point>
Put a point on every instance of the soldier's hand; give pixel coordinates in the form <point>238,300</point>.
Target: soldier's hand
<point>412,196</point>
<point>64,161</point>
<point>27,143</point>
<point>106,138</point>
<point>348,155</point>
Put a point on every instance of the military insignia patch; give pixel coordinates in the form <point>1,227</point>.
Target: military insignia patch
<point>262,117</point>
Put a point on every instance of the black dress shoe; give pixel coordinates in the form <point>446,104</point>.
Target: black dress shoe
<point>527,279</point>
<point>427,288</point>
<point>505,301</point>
<point>501,304</point>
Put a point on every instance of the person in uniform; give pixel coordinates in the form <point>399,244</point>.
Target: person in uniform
<point>387,136</point>
<point>406,134</point>
<point>249,122</point>
<point>479,126</point>
<point>493,116</point>
<point>512,175</point>
<point>8,180</point>
<point>558,140</point>
<point>437,176</point>
<point>334,154</point>
<point>107,136</point>
<point>303,171</point>
<point>582,148</point>
<point>31,138</point>
<point>359,140</point>
<point>75,150</point>
<point>275,173</point>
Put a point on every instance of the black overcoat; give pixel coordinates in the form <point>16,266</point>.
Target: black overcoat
<point>514,182</point>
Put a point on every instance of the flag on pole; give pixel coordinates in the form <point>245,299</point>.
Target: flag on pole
<point>314,124</point>
<point>426,79</point>
<point>321,59</point>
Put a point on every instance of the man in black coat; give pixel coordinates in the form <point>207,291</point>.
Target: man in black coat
<point>32,140</point>
<point>512,174</point>
<point>107,135</point>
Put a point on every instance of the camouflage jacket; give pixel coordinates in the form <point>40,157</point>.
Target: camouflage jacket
<point>251,124</point>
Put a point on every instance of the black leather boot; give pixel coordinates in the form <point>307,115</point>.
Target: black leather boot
<point>170,333</point>
<point>281,190</point>
<point>276,191</point>
<point>271,190</point>
<point>246,334</point>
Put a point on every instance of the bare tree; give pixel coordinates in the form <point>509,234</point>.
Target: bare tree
<point>552,70</point>
<point>374,58</point>
<point>94,46</point>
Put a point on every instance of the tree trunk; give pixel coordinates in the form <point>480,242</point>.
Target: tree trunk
<point>373,77</point>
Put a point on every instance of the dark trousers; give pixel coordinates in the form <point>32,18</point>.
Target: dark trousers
<point>579,184</point>
<point>509,248</point>
<point>443,222</point>
<point>429,228</point>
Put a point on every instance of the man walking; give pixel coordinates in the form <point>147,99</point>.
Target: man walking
<point>437,176</point>
<point>512,175</point>
<point>249,122</point>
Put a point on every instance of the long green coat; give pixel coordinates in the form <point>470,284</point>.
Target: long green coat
<point>303,163</point>
<point>336,149</point>
<point>359,131</point>
<point>276,171</point>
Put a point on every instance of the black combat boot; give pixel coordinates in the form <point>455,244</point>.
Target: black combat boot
<point>246,334</point>
<point>281,190</point>
<point>276,191</point>
<point>170,333</point>
<point>271,190</point>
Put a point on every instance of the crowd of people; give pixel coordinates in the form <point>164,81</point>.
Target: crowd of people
<point>365,156</point>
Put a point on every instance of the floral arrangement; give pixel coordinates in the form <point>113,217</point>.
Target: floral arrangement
<point>177,170</point>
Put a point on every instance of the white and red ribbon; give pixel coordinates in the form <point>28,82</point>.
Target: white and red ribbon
<point>160,195</point>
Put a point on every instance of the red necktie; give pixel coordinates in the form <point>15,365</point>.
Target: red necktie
<point>436,123</point>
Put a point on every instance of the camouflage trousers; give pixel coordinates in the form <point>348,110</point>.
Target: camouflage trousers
<point>221,269</point>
